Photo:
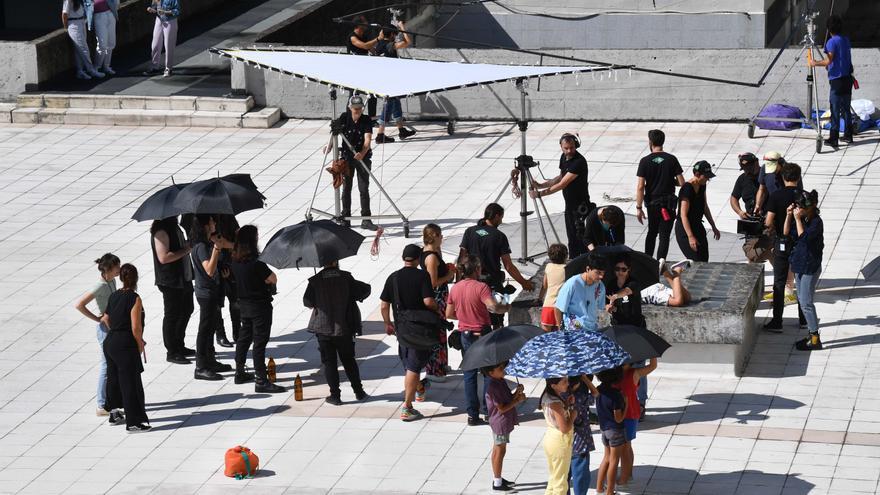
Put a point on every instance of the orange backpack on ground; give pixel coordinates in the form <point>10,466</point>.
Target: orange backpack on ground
<point>241,463</point>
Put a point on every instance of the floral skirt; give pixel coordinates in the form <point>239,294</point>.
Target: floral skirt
<point>439,359</point>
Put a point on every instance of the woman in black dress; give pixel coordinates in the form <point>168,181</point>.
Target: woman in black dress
<point>692,207</point>
<point>255,284</point>
<point>624,296</point>
<point>123,348</point>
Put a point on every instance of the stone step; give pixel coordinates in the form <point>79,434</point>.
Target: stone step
<point>126,102</point>
<point>259,118</point>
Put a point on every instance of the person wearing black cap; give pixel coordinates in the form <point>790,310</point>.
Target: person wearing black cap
<point>357,130</point>
<point>408,289</point>
<point>806,260</point>
<point>692,207</point>
<point>359,43</point>
<point>746,186</point>
<point>573,181</point>
<point>659,173</point>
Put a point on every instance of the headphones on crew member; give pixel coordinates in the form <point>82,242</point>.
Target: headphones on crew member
<point>573,137</point>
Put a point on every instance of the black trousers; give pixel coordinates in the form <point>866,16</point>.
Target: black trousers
<point>124,386</point>
<point>210,320</point>
<point>234,310</point>
<point>702,252</point>
<point>363,187</point>
<point>342,347</point>
<point>256,325</point>
<point>780,277</point>
<point>178,308</point>
<point>658,227</point>
<point>576,246</point>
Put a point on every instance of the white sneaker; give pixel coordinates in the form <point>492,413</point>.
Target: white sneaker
<point>97,74</point>
<point>109,71</point>
<point>167,73</point>
<point>683,264</point>
<point>661,266</point>
<point>82,75</point>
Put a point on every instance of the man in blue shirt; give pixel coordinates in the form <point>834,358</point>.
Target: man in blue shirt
<point>582,297</point>
<point>840,70</point>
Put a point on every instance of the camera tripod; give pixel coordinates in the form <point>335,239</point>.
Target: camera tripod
<point>337,216</point>
<point>523,164</point>
<point>808,45</point>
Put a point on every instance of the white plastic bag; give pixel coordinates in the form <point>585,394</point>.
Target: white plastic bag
<point>863,108</point>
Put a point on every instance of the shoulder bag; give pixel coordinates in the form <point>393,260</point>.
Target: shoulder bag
<point>415,328</point>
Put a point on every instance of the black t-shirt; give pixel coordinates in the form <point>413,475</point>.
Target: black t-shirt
<point>353,49</point>
<point>596,234</point>
<point>578,191</point>
<point>697,205</point>
<point>414,286</point>
<point>746,188</point>
<point>778,203</point>
<point>659,171</point>
<point>385,48</point>
<point>355,133</point>
<point>119,308</point>
<point>488,244</point>
<point>250,280</point>
<point>205,286</point>
<point>628,310</point>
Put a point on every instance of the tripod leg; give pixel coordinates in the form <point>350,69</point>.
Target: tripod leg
<point>546,214</point>
<point>498,198</point>
<point>318,183</point>
<point>379,185</point>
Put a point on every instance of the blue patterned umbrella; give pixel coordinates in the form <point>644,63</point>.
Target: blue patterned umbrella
<point>566,353</point>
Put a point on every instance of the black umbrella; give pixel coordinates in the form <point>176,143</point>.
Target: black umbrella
<point>499,346</point>
<point>160,204</point>
<point>311,243</point>
<point>643,268</point>
<point>640,343</point>
<point>218,196</point>
<point>243,180</point>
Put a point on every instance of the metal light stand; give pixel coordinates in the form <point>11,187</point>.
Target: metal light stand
<point>337,198</point>
<point>523,163</point>
<point>808,44</point>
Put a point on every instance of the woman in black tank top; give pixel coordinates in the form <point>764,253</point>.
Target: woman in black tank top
<point>432,262</point>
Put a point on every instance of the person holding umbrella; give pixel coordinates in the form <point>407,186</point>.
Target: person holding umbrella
<point>174,277</point>
<point>227,226</point>
<point>332,295</point>
<point>582,296</point>
<point>692,207</point>
<point>255,284</point>
<point>206,254</point>
<point>501,404</point>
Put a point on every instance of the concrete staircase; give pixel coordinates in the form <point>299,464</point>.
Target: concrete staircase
<point>123,110</point>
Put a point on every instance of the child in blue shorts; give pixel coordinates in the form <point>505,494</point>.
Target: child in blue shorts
<point>610,408</point>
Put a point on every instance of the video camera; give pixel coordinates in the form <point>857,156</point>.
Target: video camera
<point>753,226</point>
<point>395,17</point>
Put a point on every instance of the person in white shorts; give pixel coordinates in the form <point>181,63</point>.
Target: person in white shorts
<point>674,295</point>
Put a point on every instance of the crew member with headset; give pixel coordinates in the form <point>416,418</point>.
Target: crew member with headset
<point>359,43</point>
<point>573,181</point>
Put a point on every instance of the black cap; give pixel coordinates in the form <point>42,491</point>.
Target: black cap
<point>412,252</point>
<point>747,159</point>
<point>805,200</point>
<point>704,168</point>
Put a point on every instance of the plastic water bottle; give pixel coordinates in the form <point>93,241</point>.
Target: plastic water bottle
<point>297,388</point>
<point>270,371</point>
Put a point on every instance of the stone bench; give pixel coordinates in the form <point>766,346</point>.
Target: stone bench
<point>714,334</point>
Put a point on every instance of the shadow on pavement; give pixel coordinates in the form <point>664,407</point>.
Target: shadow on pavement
<point>711,407</point>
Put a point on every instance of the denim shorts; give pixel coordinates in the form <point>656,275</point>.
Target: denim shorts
<point>613,437</point>
<point>630,426</point>
<point>501,439</point>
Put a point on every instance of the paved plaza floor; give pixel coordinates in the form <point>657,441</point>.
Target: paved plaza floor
<point>796,424</point>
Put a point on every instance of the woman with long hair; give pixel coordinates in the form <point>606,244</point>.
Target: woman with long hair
<point>207,247</point>
<point>441,274</point>
<point>560,415</point>
<point>255,284</point>
<point>73,17</point>
<point>122,349</point>
<point>227,226</point>
<point>806,260</point>
<point>108,265</point>
<point>692,207</point>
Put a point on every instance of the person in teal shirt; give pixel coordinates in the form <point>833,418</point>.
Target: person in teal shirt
<point>582,297</point>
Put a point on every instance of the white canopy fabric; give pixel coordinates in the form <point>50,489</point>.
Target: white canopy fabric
<point>391,77</point>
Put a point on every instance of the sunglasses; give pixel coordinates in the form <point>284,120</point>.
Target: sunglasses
<point>621,269</point>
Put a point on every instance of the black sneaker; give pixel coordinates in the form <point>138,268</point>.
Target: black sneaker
<point>811,343</point>
<point>206,374</point>
<point>404,133</point>
<point>475,421</point>
<point>218,367</point>
<point>382,138</point>
<point>266,387</point>
<point>368,225</point>
<point>831,143</point>
<point>502,487</point>
<point>361,395</point>
<point>774,326</point>
<point>177,359</point>
<point>333,400</point>
<point>243,376</point>
<point>187,352</point>
<point>138,428</point>
<point>116,418</point>
<point>847,139</point>
<point>152,71</point>
<point>506,482</point>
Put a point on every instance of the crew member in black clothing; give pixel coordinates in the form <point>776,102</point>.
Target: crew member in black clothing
<point>358,130</point>
<point>605,227</point>
<point>491,246</point>
<point>692,207</point>
<point>174,276</point>
<point>624,296</point>
<point>777,212</point>
<point>360,43</point>
<point>227,226</point>
<point>573,181</point>
<point>746,186</point>
<point>256,284</point>
<point>123,348</point>
<point>332,295</point>
<point>390,42</point>
<point>658,173</point>
<point>206,254</point>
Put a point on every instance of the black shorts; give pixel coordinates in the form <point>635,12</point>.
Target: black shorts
<point>413,359</point>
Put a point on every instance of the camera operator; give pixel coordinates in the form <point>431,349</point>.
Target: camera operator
<point>573,181</point>
<point>358,130</point>
<point>390,41</point>
<point>359,43</point>
<point>746,186</point>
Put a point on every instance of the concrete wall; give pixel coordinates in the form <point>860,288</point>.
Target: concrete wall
<point>623,96</point>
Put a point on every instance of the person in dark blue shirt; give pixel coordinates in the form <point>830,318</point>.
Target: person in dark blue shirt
<point>806,260</point>
<point>840,70</point>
